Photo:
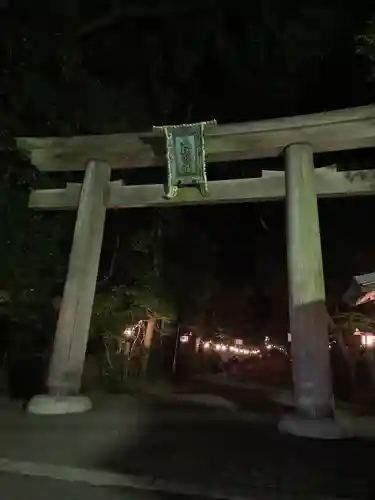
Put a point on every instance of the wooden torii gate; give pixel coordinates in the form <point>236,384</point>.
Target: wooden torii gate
<point>296,139</point>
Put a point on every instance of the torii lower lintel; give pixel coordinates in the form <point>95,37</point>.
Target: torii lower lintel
<point>270,187</point>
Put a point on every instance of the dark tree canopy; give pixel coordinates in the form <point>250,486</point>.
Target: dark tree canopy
<point>82,67</point>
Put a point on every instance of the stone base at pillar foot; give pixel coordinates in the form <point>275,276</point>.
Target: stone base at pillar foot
<point>58,405</point>
<point>324,428</point>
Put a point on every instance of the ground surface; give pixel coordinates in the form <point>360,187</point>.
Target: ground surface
<point>214,450</point>
<point>15,487</point>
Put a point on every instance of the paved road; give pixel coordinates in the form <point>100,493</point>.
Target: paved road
<point>18,487</point>
<point>182,445</point>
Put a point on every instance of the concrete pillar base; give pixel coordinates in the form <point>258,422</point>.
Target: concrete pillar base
<point>58,405</point>
<point>324,428</point>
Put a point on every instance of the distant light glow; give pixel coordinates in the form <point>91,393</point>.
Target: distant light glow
<point>368,340</point>
<point>243,351</point>
<point>236,347</point>
<point>131,330</point>
<point>129,336</point>
<point>269,346</point>
<point>184,339</point>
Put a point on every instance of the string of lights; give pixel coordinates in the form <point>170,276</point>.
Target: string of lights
<point>132,330</point>
<point>235,349</point>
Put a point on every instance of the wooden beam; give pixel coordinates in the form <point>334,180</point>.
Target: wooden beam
<point>271,186</point>
<point>61,199</point>
<point>332,131</point>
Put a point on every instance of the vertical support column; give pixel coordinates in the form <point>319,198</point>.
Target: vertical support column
<point>66,366</point>
<point>307,309</point>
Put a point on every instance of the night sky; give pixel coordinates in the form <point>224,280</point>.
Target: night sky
<point>232,61</point>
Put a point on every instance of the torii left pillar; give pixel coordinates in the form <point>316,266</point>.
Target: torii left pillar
<point>69,350</point>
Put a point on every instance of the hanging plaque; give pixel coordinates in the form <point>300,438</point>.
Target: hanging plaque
<point>186,156</point>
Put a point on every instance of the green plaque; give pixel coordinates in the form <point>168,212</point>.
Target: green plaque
<point>186,156</point>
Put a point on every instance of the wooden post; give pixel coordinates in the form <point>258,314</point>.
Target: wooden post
<point>75,313</point>
<point>307,311</point>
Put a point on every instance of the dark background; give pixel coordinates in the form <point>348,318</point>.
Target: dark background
<point>78,67</point>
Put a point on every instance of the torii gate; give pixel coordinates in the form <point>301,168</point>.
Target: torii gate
<point>296,139</point>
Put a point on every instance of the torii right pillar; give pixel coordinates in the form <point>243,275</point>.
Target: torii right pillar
<point>314,403</point>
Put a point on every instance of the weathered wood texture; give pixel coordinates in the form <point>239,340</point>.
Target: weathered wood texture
<point>328,183</point>
<point>307,310</point>
<point>75,313</point>
<point>332,131</point>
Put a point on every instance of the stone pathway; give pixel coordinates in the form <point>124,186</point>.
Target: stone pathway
<point>205,449</point>
<point>265,404</point>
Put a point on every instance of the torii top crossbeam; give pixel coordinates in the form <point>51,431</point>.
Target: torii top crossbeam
<point>330,131</point>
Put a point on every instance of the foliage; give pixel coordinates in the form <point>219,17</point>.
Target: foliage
<point>347,322</point>
<point>173,266</point>
<point>191,255</point>
<point>159,284</point>
<point>111,312</point>
<point>33,246</point>
<point>70,69</point>
<point>366,44</point>
<point>114,355</point>
<point>148,289</point>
